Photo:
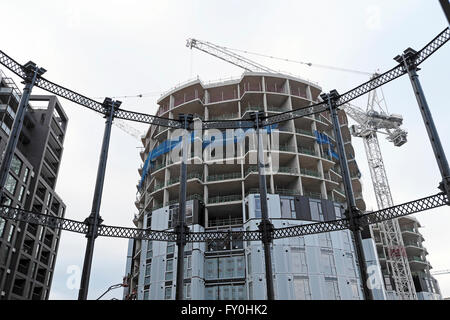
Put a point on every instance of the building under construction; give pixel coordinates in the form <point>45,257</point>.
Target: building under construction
<point>304,186</point>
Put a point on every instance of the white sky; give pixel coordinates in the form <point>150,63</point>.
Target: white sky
<point>114,48</point>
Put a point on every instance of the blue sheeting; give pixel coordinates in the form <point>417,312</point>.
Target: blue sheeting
<point>322,138</point>
<point>168,145</point>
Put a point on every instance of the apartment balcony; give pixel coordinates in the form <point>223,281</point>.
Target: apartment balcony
<point>414,247</point>
<point>287,192</point>
<point>417,263</point>
<point>218,200</point>
<point>313,195</point>
<point>305,132</point>
<point>409,233</point>
<point>310,173</point>
<point>224,176</point>
<point>225,222</point>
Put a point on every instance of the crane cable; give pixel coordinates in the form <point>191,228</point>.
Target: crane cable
<point>309,64</point>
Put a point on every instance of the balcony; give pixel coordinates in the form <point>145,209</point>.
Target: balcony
<point>225,176</point>
<point>286,192</point>
<point>289,170</point>
<point>192,175</point>
<point>305,132</point>
<point>225,199</point>
<point>310,173</point>
<point>307,151</point>
<point>225,222</point>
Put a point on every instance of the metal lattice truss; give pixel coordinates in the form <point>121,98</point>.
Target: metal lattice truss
<point>226,55</point>
<point>391,237</point>
<point>364,88</point>
<point>51,221</point>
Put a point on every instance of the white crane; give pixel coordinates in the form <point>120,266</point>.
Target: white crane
<point>374,120</point>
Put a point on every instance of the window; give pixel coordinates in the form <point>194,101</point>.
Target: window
<point>169,270</point>
<point>250,290</point>
<point>337,211</point>
<point>148,269</point>
<point>146,294</point>
<point>2,226</point>
<point>11,184</point>
<point>257,207</point>
<point>168,293</point>
<point>327,262</point>
<point>298,256</point>
<point>26,174</point>
<point>21,192</point>
<point>225,268</point>
<point>149,249</point>
<point>301,288</point>
<point>11,233</point>
<point>170,248</point>
<point>316,210</point>
<point>287,208</point>
<point>249,263</point>
<point>211,270</point>
<point>187,291</point>
<point>16,165</point>
<point>188,267</point>
<point>173,217</point>
<point>331,289</point>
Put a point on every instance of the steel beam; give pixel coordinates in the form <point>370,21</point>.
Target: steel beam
<point>352,211</point>
<point>182,229</point>
<point>265,227</point>
<point>408,59</point>
<point>94,220</point>
<point>32,72</point>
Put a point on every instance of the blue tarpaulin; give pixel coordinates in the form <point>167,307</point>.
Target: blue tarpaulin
<point>322,138</point>
<point>168,145</point>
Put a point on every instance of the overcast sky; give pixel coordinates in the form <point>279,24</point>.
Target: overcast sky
<point>116,48</point>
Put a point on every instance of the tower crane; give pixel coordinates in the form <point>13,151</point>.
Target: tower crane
<point>375,119</point>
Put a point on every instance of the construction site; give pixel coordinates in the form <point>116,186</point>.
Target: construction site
<point>249,188</point>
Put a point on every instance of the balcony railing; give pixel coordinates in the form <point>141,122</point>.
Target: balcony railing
<point>313,195</point>
<point>309,172</point>
<point>286,148</point>
<point>287,170</point>
<point>305,132</point>
<point>222,199</point>
<point>225,116</point>
<point>286,192</point>
<point>225,176</point>
<point>307,151</point>
<point>192,175</point>
<point>225,222</point>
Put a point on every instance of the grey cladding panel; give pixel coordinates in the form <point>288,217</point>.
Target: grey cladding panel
<point>302,208</point>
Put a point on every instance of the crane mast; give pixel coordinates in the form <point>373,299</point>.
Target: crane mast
<point>371,121</point>
<point>375,119</point>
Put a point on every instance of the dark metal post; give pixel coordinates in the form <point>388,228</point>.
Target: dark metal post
<point>182,229</point>
<point>352,210</point>
<point>94,219</point>
<point>446,8</point>
<point>408,59</point>
<point>266,226</point>
<point>32,73</point>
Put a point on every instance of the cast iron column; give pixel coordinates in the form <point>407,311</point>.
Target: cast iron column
<point>32,73</point>
<point>94,219</point>
<point>182,229</point>
<point>408,59</point>
<point>265,227</point>
<point>353,212</point>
